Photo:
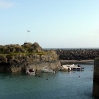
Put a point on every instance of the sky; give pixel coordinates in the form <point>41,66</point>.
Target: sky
<point>52,23</point>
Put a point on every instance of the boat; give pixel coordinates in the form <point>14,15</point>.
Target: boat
<point>72,67</point>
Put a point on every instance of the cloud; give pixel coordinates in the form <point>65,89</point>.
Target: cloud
<point>6,5</point>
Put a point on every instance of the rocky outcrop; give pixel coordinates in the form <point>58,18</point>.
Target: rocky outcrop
<point>52,65</point>
<point>16,48</point>
<point>16,58</point>
<point>29,47</point>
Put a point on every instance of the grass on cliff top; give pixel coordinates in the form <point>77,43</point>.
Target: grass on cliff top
<point>24,54</point>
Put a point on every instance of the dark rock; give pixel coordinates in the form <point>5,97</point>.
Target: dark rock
<point>77,54</point>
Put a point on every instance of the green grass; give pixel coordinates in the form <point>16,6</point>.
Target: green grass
<point>24,54</point>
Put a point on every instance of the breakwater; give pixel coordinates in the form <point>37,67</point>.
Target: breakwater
<point>77,54</point>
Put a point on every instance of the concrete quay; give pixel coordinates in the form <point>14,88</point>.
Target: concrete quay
<point>96,78</point>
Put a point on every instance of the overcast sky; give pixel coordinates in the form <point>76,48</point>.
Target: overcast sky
<point>52,23</point>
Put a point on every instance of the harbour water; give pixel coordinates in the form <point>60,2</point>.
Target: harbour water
<point>62,85</point>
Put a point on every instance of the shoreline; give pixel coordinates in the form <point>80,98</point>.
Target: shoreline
<point>76,62</point>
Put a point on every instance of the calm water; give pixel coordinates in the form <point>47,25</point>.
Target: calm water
<point>62,85</point>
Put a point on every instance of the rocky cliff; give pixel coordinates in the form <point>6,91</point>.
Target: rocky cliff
<point>16,58</point>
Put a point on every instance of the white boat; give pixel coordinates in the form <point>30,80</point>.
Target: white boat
<point>72,67</point>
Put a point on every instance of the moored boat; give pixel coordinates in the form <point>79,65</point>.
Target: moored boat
<point>72,67</point>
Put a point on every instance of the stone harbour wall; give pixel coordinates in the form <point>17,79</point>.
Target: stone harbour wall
<point>96,78</point>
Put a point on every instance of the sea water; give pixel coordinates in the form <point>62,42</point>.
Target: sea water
<point>62,85</point>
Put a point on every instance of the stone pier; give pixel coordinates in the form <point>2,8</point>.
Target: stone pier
<point>96,78</point>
